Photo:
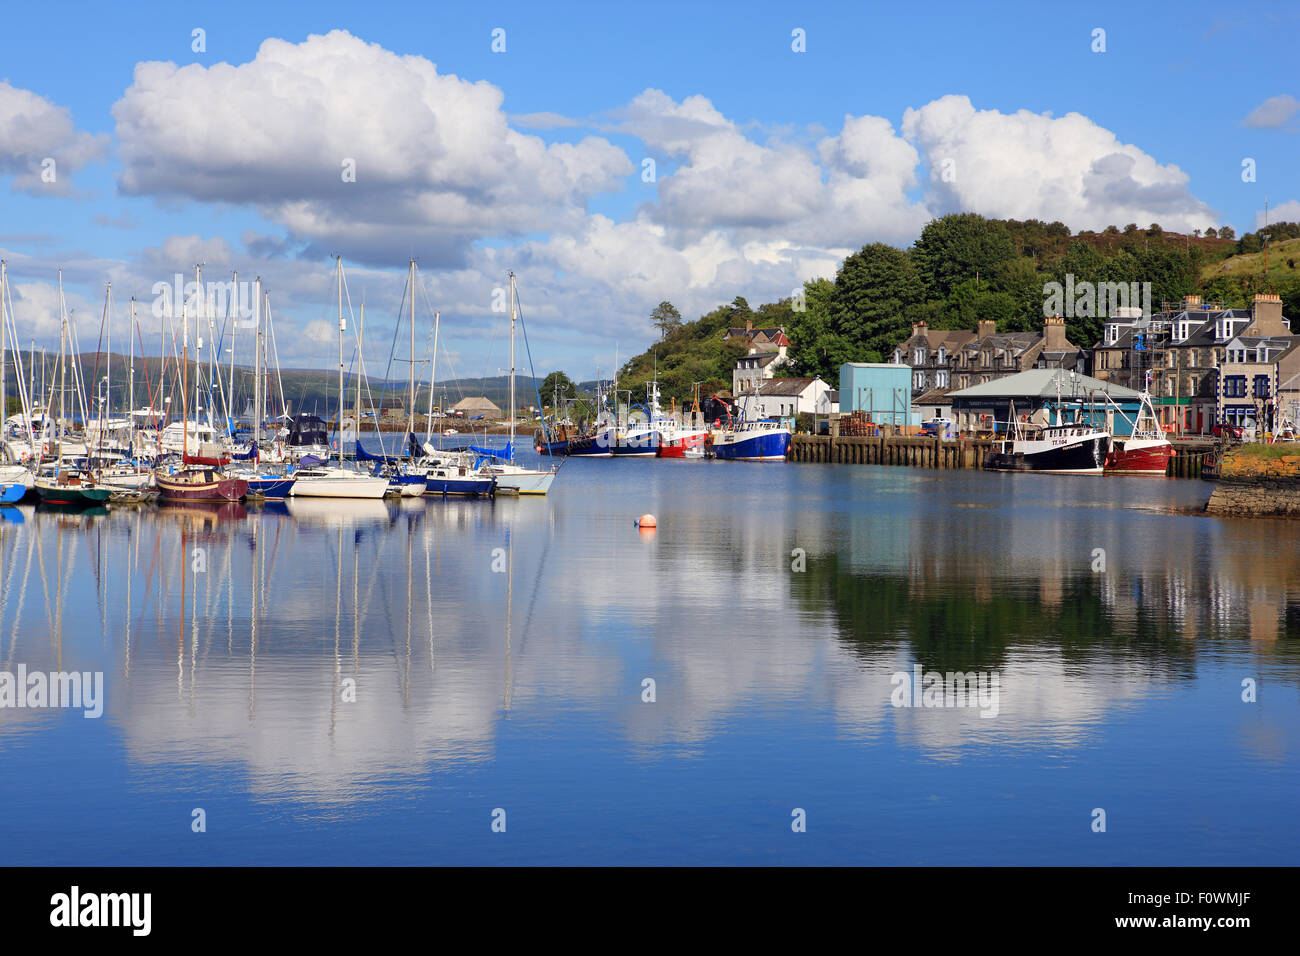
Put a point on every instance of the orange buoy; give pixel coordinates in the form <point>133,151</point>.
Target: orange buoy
<point>647,521</point>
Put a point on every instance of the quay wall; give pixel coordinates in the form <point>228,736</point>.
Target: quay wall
<point>1252,486</point>
<point>941,454</point>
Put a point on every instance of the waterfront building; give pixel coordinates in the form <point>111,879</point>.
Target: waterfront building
<point>786,398</point>
<point>1259,382</point>
<point>767,351</point>
<point>987,408</point>
<point>882,390</point>
<point>1180,351</point>
<point>961,358</point>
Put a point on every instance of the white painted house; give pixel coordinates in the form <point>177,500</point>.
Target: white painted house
<point>785,398</point>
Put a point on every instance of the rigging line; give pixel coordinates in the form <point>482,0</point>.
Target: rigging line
<point>519,309</point>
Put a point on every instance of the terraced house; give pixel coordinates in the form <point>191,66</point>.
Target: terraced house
<point>1179,353</point>
<point>948,359</point>
<point>1259,382</point>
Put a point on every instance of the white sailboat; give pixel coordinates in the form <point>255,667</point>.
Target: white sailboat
<point>509,474</point>
<point>337,481</point>
<point>16,479</point>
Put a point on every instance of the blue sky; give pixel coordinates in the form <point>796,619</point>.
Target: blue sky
<point>761,182</point>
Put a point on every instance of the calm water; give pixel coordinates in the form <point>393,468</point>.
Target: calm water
<point>497,653</point>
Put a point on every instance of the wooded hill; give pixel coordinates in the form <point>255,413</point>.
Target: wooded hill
<point>961,269</point>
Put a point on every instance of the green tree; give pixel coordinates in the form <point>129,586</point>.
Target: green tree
<point>1227,232</point>
<point>810,332</point>
<point>557,381</point>
<point>666,318</point>
<point>872,289</point>
<point>958,247</point>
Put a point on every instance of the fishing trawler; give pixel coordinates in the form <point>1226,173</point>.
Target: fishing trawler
<point>1145,451</point>
<point>1065,448</point>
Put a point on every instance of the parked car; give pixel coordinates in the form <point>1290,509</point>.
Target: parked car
<point>1230,432</point>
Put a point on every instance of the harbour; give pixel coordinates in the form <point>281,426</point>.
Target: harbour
<point>469,655</point>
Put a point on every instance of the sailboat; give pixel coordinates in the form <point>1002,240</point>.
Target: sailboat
<point>510,474</point>
<point>324,481</point>
<point>58,483</point>
<point>270,485</point>
<point>200,477</point>
<point>15,479</point>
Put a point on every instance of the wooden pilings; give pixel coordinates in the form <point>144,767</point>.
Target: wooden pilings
<point>937,453</point>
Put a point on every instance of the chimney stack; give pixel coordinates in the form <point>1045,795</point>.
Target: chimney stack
<point>1054,334</point>
<point>921,327</point>
<point>986,327</point>
<point>749,325</point>
<point>1266,316</point>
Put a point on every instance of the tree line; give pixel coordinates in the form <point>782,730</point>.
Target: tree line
<point>961,269</point>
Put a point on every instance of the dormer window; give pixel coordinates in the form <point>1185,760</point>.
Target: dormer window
<point>898,356</point>
<point>1261,354</point>
<point>918,356</point>
<point>942,357</point>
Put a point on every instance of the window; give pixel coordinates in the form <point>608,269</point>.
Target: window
<point>941,379</point>
<point>1261,353</point>
<point>898,356</point>
<point>1261,386</point>
<point>1234,386</point>
<point>918,357</point>
<point>1169,359</point>
<point>1191,359</point>
<point>942,358</point>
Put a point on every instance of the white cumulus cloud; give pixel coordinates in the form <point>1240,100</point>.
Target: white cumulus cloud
<point>1026,165</point>
<point>33,131</point>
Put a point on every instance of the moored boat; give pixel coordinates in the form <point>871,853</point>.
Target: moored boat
<point>1145,451</point>
<point>1068,449</point>
<point>765,440</point>
<point>199,484</point>
<point>62,485</point>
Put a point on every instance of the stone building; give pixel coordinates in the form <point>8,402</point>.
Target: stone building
<point>1178,352</point>
<point>962,358</point>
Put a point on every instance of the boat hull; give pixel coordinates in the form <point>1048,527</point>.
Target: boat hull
<point>331,487</point>
<point>1084,457</point>
<point>1139,458</point>
<point>75,496</point>
<point>469,486</point>
<point>12,492</point>
<point>684,446</point>
<point>271,488</point>
<point>172,488</point>
<point>765,446</point>
<point>526,482</point>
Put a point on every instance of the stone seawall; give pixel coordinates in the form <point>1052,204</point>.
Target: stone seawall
<point>1249,485</point>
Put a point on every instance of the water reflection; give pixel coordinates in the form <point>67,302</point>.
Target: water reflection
<point>336,650</point>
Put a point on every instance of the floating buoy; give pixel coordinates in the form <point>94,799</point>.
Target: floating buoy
<point>647,521</point>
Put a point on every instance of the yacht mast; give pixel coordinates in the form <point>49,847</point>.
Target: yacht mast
<point>410,421</point>
<point>342,325</point>
<point>433,378</point>
<point>257,370</point>
<point>512,362</point>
